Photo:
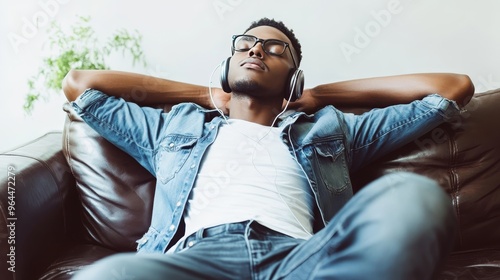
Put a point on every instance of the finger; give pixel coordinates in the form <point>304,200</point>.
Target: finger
<point>283,104</point>
<point>294,105</point>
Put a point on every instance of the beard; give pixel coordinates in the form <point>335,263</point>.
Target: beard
<point>248,87</point>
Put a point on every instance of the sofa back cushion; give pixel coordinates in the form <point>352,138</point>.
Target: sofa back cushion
<point>464,157</point>
<point>116,192</point>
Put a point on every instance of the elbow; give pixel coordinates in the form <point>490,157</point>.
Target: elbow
<point>457,87</point>
<point>465,90</point>
<point>71,85</point>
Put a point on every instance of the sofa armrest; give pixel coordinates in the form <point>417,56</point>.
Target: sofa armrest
<point>463,156</point>
<point>36,182</point>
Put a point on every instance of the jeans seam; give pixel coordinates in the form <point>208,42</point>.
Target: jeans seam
<point>336,230</point>
<point>249,249</point>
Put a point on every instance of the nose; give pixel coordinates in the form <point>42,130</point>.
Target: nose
<point>257,50</point>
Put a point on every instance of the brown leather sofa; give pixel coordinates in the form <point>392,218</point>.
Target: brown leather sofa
<point>74,198</point>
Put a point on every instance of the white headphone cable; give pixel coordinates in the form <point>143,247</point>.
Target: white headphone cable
<point>212,97</point>
<point>258,142</point>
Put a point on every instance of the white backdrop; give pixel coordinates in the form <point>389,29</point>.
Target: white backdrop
<point>185,40</point>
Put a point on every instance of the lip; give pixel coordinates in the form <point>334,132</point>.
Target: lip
<point>253,63</point>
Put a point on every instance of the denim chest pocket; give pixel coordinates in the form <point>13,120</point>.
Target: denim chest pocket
<point>172,155</point>
<point>331,166</point>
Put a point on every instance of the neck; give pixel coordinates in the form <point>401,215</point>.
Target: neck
<point>262,111</point>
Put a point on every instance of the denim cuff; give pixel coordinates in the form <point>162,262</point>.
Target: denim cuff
<point>447,108</point>
<point>87,98</point>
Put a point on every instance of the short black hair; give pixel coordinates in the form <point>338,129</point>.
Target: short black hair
<point>281,27</point>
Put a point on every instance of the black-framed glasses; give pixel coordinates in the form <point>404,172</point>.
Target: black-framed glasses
<point>242,43</point>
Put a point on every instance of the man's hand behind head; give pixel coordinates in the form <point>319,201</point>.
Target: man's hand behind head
<point>222,100</point>
<point>306,103</point>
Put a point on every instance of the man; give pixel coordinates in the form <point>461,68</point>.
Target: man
<point>258,197</point>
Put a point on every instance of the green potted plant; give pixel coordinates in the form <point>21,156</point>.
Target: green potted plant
<point>78,48</point>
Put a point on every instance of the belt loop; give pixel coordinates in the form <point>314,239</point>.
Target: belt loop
<point>248,226</point>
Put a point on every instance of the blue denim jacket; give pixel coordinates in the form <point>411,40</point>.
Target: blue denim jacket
<point>328,145</point>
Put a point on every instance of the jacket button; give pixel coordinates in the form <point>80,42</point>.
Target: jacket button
<point>191,243</point>
<point>171,228</point>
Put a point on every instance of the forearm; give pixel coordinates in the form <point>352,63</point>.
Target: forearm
<point>385,91</point>
<point>134,87</point>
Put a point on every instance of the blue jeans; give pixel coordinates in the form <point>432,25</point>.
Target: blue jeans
<point>400,226</point>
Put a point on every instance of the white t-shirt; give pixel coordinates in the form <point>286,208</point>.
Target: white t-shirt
<point>249,174</point>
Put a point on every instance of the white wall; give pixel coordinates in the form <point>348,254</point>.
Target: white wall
<point>185,40</point>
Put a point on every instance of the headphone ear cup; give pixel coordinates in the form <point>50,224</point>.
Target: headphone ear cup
<point>296,85</point>
<point>224,74</point>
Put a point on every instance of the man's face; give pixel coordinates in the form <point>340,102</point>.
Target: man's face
<point>257,73</point>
